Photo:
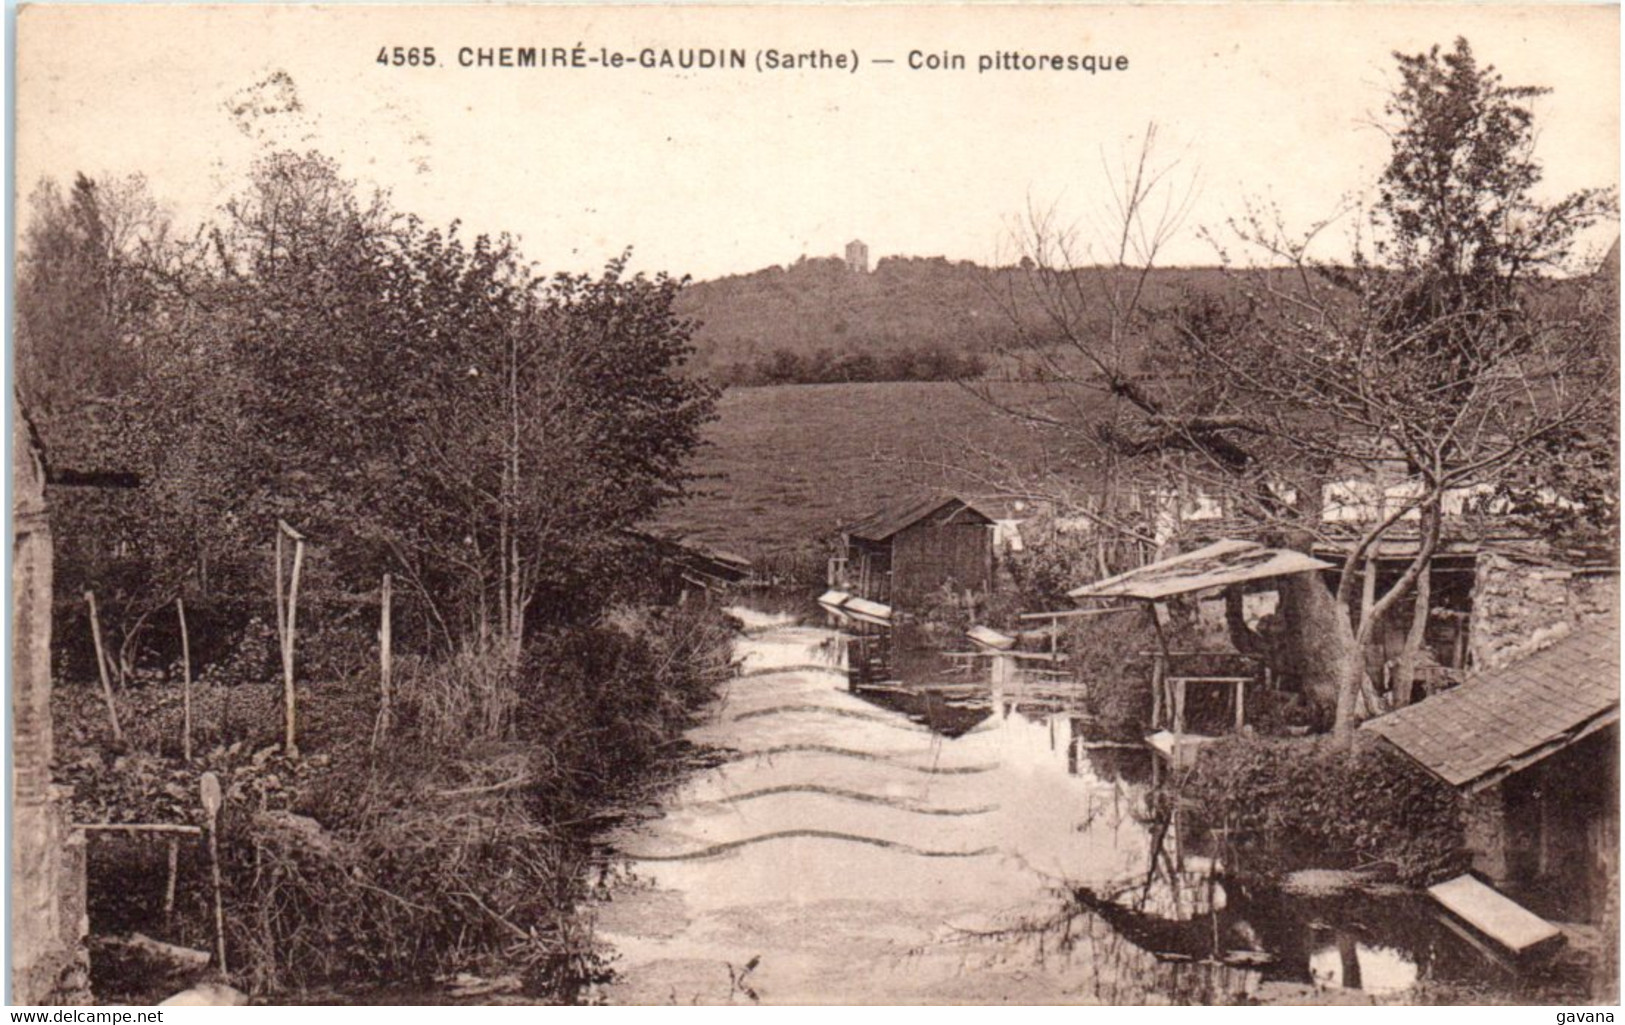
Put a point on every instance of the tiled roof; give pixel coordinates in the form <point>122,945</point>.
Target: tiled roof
<point>1501,720</point>
<point>889,521</point>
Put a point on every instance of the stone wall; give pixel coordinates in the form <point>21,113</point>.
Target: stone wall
<point>1484,832</point>
<point>1521,606</point>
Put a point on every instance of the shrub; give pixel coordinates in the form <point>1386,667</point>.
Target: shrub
<point>1287,804</point>
<point>606,700</point>
<point>1118,684</point>
<point>457,846</point>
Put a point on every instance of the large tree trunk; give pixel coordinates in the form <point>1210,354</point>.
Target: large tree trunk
<point>1405,671</point>
<point>1318,646</point>
<point>1313,650</point>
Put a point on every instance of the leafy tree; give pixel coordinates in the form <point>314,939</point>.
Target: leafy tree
<point>96,301</point>
<point>541,420</point>
<point>411,401</point>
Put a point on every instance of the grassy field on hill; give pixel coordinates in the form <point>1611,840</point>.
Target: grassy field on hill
<point>787,465</point>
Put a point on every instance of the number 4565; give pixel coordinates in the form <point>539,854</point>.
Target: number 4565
<point>406,56</point>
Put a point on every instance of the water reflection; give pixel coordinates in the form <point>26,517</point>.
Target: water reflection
<point>893,822</point>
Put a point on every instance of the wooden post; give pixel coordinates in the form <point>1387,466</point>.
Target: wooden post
<point>281,612</point>
<point>288,630</point>
<point>1157,676</point>
<point>1162,649</point>
<point>101,666</point>
<point>186,678</point>
<point>209,791</point>
<point>386,663</point>
<point>1241,704</point>
<point>169,884</point>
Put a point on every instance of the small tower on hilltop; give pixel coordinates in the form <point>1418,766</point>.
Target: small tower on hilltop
<point>857,257</point>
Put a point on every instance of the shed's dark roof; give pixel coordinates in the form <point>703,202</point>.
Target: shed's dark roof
<point>1504,719</point>
<point>883,524</point>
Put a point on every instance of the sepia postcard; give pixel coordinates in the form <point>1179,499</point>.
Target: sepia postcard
<point>892,504</point>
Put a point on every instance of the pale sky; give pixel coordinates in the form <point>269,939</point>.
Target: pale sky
<point>709,172</point>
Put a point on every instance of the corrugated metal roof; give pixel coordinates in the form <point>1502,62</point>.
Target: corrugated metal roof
<point>1219,564</point>
<point>1503,719</point>
<point>888,521</point>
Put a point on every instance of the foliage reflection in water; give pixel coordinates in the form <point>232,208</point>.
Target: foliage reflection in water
<point>891,823</point>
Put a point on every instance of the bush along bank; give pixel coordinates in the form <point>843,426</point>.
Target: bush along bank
<point>1282,805</point>
<point>457,843</point>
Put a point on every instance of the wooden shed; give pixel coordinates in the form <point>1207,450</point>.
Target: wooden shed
<point>1533,746</point>
<point>902,553</point>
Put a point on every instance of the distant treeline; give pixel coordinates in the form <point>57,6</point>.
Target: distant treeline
<point>831,366</point>
<point>910,319</point>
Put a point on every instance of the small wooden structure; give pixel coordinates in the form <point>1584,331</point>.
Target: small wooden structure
<point>1221,564</point>
<point>682,568</point>
<point>1492,914</point>
<point>1534,749</point>
<point>905,552</point>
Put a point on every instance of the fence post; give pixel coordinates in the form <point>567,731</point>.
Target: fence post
<point>288,629</point>
<point>386,663</point>
<point>101,666</point>
<point>186,676</point>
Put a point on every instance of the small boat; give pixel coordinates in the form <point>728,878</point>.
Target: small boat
<point>833,600</point>
<point>864,610</point>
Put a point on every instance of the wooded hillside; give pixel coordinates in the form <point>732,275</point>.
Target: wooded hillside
<point>911,318</point>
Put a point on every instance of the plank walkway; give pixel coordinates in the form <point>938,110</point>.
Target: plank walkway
<point>1494,914</point>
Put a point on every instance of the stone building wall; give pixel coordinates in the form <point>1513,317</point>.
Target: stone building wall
<point>1521,606</point>
<point>1484,823</point>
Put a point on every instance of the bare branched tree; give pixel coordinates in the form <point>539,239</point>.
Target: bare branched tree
<point>1419,371</point>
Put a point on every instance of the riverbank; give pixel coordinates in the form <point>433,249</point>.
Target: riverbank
<point>456,842</point>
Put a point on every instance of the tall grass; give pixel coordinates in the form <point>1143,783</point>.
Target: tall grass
<point>469,695</point>
<point>458,847</point>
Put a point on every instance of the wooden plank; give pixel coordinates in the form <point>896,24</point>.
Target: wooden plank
<point>1032,656</point>
<point>867,611</point>
<point>137,827</point>
<point>1179,750</point>
<point>1070,613</point>
<point>988,637</point>
<point>1217,565</point>
<point>1494,914</point>
<point>1216,652</point>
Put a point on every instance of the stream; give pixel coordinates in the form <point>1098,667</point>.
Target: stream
<point>879,829</point>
